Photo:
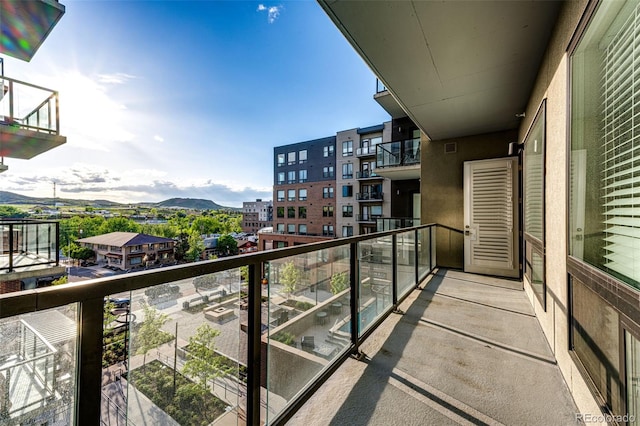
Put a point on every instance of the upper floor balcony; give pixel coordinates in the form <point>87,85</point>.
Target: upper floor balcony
<point>29,119</point>
<point>366,151</point>
<point>391,223</point>
<point>399,160</point>
<point>367,174</point>
<point>369,196</point>
<point>386,100</point>
<point>26,25</point>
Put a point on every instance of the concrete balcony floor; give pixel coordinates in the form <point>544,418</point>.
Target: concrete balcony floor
<point>468,350</point>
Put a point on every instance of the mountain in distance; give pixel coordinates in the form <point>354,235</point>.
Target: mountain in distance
<point>11,198</point>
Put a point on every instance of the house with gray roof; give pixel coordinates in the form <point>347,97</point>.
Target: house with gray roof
<point>127,250</point>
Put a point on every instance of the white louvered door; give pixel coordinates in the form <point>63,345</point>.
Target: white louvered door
<point>491,217</point>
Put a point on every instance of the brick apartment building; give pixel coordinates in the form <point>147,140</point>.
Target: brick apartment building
<point>256,215</point>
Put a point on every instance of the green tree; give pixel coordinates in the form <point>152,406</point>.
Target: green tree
<point>204,363</point>
<point>289,277</point>
<point>150,334</point>
<point>12,212</point>
<point>227,245</point>
<point>339,282</point>
<point>119,224</point>
<point>205,225</point>
<point>62,280</point>
<point>196,247</point>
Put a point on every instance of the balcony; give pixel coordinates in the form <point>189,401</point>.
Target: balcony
<point>366,151</point>
<point>29,119</point>
<point>317,306</point>
<point>29,248</point>
<point>386,100</point>
<point>368,218</point>
<point>367,174</point>
<point>369,196</point>
<point>399,160</point>
<point>26,24</point>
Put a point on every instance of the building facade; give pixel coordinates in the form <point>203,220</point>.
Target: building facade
<point>126,250</point>
<point>256,215</point>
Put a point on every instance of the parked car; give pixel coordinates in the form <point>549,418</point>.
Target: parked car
<point>120,302</point>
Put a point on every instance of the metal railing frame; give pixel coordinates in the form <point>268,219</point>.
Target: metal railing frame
<point>22,122</point>
<point>90,295</point>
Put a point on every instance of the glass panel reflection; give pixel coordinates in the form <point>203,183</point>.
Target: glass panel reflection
<point>406,274</point>
<point>306,320</point>
<point>375,286</point>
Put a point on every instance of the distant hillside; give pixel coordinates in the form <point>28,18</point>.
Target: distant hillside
<point>184,203</point>
<point>190,203</point>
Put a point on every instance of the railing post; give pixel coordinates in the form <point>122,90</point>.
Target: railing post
<point>416,256</point>
<point>10,100</point>
<point>394,269</point>
<point>11,247</point>
<point>57,115</point>
<point>254,355</point>
<point>89,373</point>
<point>355,285</point>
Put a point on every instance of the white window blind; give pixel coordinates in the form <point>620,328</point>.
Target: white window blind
<point>621,149</point>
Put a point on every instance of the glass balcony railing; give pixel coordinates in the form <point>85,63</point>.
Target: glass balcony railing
<point>202,343</point>
<point>391,223</point>
<point>368,217</point>
<point>367,174</point>
<point>380,87</point>
<point>369,196</point>
<point>28,243</point>
<point>27,106</point>
<point>399,153</point>
<point>366,151</point>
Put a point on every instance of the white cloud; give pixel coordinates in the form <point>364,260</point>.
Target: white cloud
<point>273,12</point>
<point>158,138</point>
<point>117,78</point>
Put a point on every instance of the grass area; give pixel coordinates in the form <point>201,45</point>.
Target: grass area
<point>189,403</point>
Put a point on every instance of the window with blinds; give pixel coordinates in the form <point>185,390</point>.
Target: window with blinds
<point>621,148</point>
<point>605,142</point>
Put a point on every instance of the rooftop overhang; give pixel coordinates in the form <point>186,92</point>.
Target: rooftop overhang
<point>25,24</point>
<point>457,68</point>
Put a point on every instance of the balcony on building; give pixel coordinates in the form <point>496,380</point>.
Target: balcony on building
<point>26,25</point>
<point>367,174</point>
<point>392,223</point>
<point>370,196</point>
<point>29,255</point>
<point>366,151</point>
<point>368,218</point>
<point>387,101</point>
<point>399,160</point>
<point>29,119</point>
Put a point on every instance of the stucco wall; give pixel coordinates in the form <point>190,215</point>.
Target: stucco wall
<point>552,85</point>
<point>442,186</point>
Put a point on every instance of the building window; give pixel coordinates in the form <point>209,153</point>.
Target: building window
<point>135,261</point>
<point>280,178</point>
<point>280,195</point>
<point>347,148</point>
<point>327,151</point>
<point>327,192</point>
<point>327,171</point>
<point>281,244</point>
<point>327,211</point>
<point>327,230</point>
<point>280,211</point>
<point>302,212</point>
<point>280,228</point>
<point>347,231</point>
<point>291,195</point>
<point>302,229</point>
<point>291,228</point>
<point>605,183</point>
<point>533,176</point>
<point>280,160</point>
<point>347,211</point>
<point>291,158</point>
<point>291,212</point>
<point>302,156</point>
<point>347,190</point>
<point>291,176</point>
<point>347,171</point>
<point>302,194</point>
<point>302,176</point>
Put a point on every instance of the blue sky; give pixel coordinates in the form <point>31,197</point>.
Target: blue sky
<point>169,98</point>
